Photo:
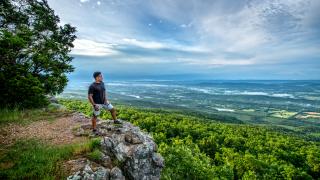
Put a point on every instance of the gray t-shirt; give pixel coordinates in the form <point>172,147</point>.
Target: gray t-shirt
<point>98,91</point>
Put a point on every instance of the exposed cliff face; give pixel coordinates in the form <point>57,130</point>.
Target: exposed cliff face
<point>128,153</point>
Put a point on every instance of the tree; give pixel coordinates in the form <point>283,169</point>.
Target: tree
<point>34,49</point>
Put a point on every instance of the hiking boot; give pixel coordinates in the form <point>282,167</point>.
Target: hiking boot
<point>117,121</point>
<point>95,132</point>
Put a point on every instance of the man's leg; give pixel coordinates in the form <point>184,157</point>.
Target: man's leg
<point>94,122</point>
<point>95,113</point>
<point>113,113</point>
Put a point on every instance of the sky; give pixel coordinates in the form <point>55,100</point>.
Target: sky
<point>194,39</point>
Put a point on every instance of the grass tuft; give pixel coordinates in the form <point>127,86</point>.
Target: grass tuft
<point>27,116</point>
<point>34,159</point>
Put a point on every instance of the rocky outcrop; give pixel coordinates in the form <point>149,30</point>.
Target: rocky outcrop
<point>128,153</point>
<point>85,169</point>
<point>135,150</point>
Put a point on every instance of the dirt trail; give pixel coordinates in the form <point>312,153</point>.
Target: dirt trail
<point>56,132</point>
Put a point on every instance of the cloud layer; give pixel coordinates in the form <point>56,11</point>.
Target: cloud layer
<point>244,39</point>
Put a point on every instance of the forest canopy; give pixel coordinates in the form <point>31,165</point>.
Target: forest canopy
<point>197,148</point>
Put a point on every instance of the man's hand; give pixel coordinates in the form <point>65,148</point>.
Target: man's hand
<point>106,102</point>
<point>96,107</point>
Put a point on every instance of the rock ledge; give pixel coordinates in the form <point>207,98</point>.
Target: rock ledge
<point>128,153</point>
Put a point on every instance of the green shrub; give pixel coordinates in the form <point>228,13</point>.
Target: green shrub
<point>95,155</point>
<point>198,148</point>
<point>34,53</point>
<point>34,159</point>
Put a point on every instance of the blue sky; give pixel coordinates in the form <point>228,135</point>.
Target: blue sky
<point>194,39</point>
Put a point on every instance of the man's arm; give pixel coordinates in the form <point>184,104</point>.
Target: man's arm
<point>91,99</point>
<point>92,102</point>
<point>105,100</point>
<point>90,94</point>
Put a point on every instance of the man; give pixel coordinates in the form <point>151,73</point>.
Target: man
<point>97,97</point>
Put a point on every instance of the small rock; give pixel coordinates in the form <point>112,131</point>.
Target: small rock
<point>88,169</point>
<point>107,143</point>
<point>106,161</point>
<point>158,160</point>
<point>133,138</point>
<point>87,176</point>
<point>102,173</point>
<point>116,174</point>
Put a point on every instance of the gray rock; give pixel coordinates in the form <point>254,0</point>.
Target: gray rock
<point>133,138</point>
<point>76,176</point>
<point>88,169</point>
<point>87,173</point>
<point>116,174</point>
<point>134,153</point>
<point>102,173</point>
<point>134,149</point>
<point>158,160</point>
<point>106,161</point>
<point>88,176</point>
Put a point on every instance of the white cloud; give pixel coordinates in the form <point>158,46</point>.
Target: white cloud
<point>92,48</point>
<point>142,60</point>
<point>229,62</point>
<point>216,62</point>
<point>212,33</point>
<point>160,45</point>
<point>286,55</point>
<point>260,24</point>
<point>143,44</point>
<point>238,26</point>
<point>82,1</point>
<point>238,31</point>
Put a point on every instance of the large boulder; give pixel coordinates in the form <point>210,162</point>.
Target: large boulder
<point>132,150</point>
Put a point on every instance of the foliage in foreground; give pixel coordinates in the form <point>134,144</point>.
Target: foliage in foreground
<point>34,159</point>
<point>26,116</point>
<point>34,53</point>
<point>201,149</point>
